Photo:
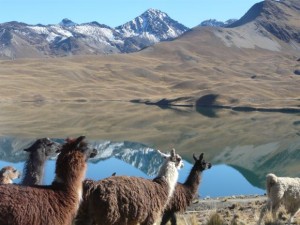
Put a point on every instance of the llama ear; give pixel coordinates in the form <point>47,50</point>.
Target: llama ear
<point>31,148</point>
<point>194,157</point>
<point>26,149</point>
<point>173,152</point>
<point>79,140</point>
<point>162,154</point>
<point>75,141</point>
<point>201,156</point>
<point>68,140</point>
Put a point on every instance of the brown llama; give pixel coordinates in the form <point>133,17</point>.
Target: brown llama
<point>54,204</point>
<point>185,193</point>
<point>8,174</point>
<point>39,152</point>
<point>124,200</point>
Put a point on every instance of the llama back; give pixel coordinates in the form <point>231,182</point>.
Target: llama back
<point>35,211</point>
<point>125,198</point>
<point>281,184</point>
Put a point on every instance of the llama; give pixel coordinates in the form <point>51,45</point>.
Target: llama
<point>54,204</point>
<point>8,174</point>
<point>124,200</point>
<point>184,193</point>
<point>39,152</point>
<point>282,190</point>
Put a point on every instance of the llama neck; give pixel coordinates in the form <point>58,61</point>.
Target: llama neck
<point>34,169</point>
<point>169,171</point>
<point>5,180</point>
<point>70,173</point>
<point>193,180</point>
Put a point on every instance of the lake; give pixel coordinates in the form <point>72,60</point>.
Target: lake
<point>242,146</point>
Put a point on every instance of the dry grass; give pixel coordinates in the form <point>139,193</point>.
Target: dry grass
<point>215,219</point>
<point>186,67</point>
<point>238,215</point>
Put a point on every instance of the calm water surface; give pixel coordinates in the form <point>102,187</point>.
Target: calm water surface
<point>242,146</point>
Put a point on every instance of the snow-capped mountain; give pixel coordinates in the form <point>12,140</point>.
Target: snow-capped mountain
<point>216,23</point>
<point>151,27</point>
<point>19,40</point>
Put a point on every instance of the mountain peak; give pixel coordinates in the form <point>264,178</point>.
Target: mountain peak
<point>67,23</point>
<point>153,23</point>
<point>154,13</point>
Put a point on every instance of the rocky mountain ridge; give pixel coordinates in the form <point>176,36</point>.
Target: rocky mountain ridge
<point>18,40</point>
<point>263,25</point>
<point>216,23</point>
<point>279,18</point>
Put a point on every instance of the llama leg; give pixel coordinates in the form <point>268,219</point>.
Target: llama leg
<point>274,206</point>
<point>173,219</point>
<point>166,217</point>
<point>263,211</point>
<point>262,214</point>
<point>293,214</point>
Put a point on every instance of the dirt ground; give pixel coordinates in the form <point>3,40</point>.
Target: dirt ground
<point>238,209</point>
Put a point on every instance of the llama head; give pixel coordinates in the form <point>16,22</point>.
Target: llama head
<point>77,144</point>
<point>71,162</point>
<point>200,163</point>
<point>272,179</point>
<point>89,151</point>
<point>10,173</point>
<point>173,157</point>
<point>44,147</point>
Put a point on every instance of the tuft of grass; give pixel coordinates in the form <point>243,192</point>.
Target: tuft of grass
<point>215,219</point>
<point>270,220</point>
<point>190,219</point>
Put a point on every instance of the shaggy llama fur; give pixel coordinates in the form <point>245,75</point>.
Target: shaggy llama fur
<point>8,174</point>
<point>124,200</point>
<point>282,190</point>
<point>54,204</point>
<point>39,152</point>
<point>185,193</point>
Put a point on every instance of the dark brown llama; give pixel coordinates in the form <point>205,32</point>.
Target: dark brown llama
<point>39,152</point>
<point>124,200</point>
<point>54,204</point>
<point>8,174</point>
<point>184,193</point>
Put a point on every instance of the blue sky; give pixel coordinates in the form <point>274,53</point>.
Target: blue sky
<point>117,12</point>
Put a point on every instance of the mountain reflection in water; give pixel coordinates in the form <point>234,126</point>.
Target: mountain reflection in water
<point>248,144</point>
<point>234,184</point>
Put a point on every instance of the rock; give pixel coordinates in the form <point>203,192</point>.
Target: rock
<point>297,72</point>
